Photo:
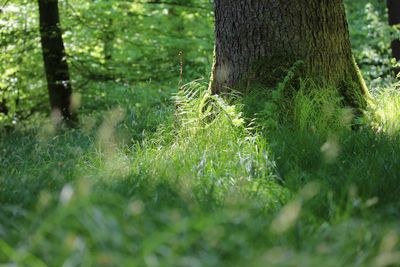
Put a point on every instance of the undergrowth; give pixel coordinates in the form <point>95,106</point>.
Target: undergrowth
<point>270,179</point>
<point>208,188</point>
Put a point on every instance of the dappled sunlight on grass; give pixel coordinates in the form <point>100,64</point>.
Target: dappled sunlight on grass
<point>205,189</point>
<point>157,175</point>
<point>385,113</point>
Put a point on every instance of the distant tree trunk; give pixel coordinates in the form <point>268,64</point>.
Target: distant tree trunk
<point>394,19</point>
<point>108,40</point>
<point>56,67</point>
<point>3,107</point>
<point>255,38</point>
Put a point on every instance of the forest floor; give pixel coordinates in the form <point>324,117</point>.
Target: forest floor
<point>205,188</point>
<point>158,178</point>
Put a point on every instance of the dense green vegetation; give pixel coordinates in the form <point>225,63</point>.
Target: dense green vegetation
<point>162,173</point>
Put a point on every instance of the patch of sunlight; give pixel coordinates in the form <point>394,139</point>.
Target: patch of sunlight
<point>290,213</point>
<point>388,255</point>
<point>385,114</point>
<point>115,162</point>
<point>76,101</point>
<point>330,149</point>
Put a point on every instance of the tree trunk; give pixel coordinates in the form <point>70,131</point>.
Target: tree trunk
<point>394,19</point>
<point>108,40</point>
<point>56,67</point>
<point>3,107</point>
<point>256,38</point>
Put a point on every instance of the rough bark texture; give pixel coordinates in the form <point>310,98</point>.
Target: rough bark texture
<point>56,67</point>
<point>254,38</point>
<point>394,19</point>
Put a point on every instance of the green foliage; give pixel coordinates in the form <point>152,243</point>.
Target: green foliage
<point>204,189</point>
<point>192,180</point>
<point>384,115</point>
<point>302,103</point>
<point>111,45</point>
<point>22,83</point>
<point>112,54</point>
<point>371,37</point>
<point>204,124</point>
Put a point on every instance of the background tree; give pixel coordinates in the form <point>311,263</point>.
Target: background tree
<point>394,19</point>
<point>56,67</point>
<point>256,38</point>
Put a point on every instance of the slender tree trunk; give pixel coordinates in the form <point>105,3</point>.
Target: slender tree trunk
<point>108,40</point>
<point>3,107</point>
<point>394,19</point>
<point>56,67</point>
<point>108,35</point>
<point>257,38</point>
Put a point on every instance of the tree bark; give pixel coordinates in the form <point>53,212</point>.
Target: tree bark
<point>255,38</point>
<point>56,67</point>
<point>108,40</point>
<point>3,107</point>
<point>394,19</point>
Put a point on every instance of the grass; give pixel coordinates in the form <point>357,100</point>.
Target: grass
<point>150,180</point>
<point>205,189</point>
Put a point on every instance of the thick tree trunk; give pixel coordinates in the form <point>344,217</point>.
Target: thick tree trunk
<point>255,38</point>
<point>56,67</point>
<point>394,19</point>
